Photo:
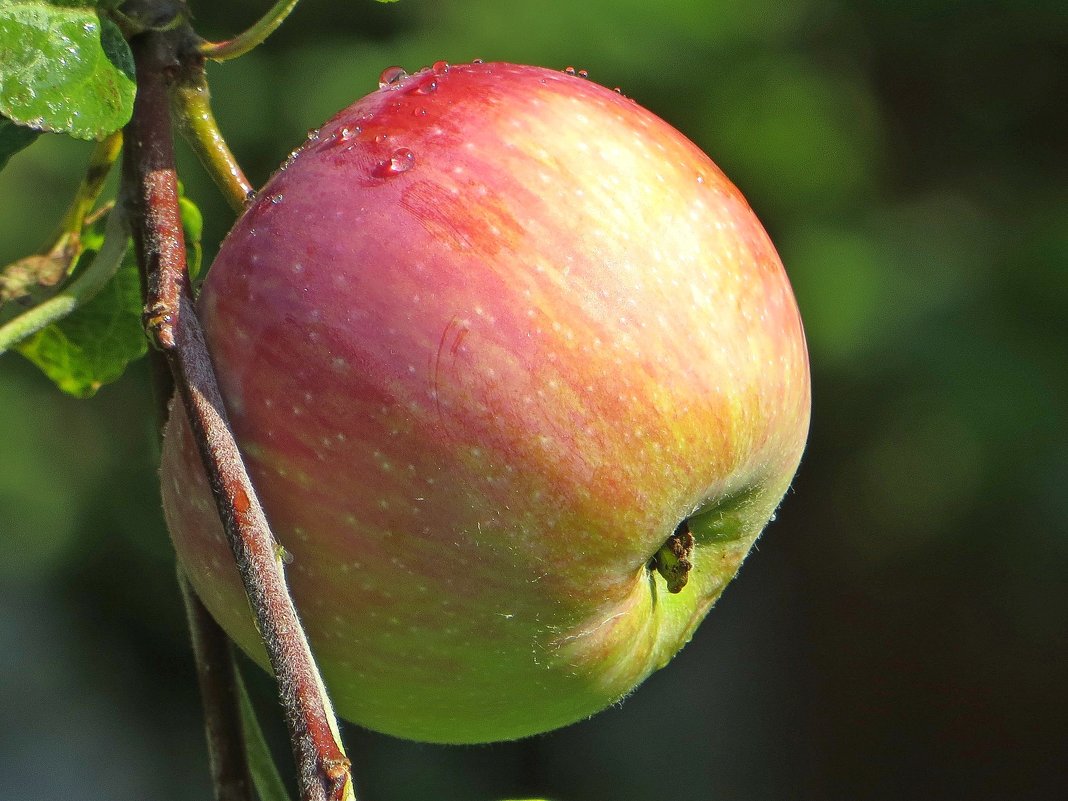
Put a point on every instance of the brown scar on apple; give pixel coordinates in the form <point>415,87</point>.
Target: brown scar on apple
<point>672,561</point>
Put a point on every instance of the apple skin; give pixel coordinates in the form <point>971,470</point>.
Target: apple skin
<point>486,340</point>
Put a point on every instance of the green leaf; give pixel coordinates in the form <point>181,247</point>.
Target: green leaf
<point>64,68</point>
<point>13,137</point>
<point>192,226</point>
<point>101,4</point>
<point>93,345</point>
<point>265,776</point>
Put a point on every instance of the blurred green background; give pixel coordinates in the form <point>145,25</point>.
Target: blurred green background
<point>901,630</point>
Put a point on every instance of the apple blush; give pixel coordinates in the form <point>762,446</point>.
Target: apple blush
<point>519,378</point>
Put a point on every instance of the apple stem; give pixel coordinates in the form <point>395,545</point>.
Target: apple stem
<point>191,102</point>
<point>150,188</point>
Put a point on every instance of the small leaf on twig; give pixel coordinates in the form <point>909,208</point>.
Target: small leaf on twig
<point>93,345</point>
<point>20,278</point>
<point>192,228</point>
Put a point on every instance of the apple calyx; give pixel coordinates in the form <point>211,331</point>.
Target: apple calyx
<point>674,559</point>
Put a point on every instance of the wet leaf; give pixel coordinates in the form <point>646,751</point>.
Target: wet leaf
<point>94,344</point>
<point>64,68</point>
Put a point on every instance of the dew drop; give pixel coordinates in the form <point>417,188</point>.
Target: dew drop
<point>276,199</point>
<point>381,138</point>
<point>289,160</point>
<point>584,73</point>
<point>391,76</point>
<point>569,70</point>
<point>618,90</point>
<point>478,61</point>
<point>440,67</point>
<point>400,161</point>
<point>420,112</point>
<point>427,87</point>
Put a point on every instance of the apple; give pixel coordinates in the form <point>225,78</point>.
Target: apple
<point>519,378</point>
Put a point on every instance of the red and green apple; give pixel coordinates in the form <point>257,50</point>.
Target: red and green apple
<point>519,378</point>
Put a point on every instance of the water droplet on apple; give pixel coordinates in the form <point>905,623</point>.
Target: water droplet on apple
<point>391,76</point>
<point>584,73</point>
<point>276,199</point>
<point>569,70</point>
<point>343,137</point>
<point>427,87</point>
<point>420,112</point>
<point>381,138</point>
<point>478,61</point>
<point>401,160</point>
<point>290,158</point>
<point>440,67</point>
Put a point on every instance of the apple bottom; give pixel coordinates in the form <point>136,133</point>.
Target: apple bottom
<point>450,655</point>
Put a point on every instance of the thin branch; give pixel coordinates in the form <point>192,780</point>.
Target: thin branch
<point>217,676</point>
<point>150,184</point>
<point>246,41</point>
<point>221,692</point>
<point>191,102</point>
<point>101,161</point>
<point>57,259</point>
<point>81,289</point>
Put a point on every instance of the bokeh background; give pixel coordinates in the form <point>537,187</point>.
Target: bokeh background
<point>900,632</point>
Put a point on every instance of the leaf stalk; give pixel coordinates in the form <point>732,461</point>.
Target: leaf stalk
<point>251,38</point>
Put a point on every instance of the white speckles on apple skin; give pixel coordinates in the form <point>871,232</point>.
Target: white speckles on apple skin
<point>600,348</point>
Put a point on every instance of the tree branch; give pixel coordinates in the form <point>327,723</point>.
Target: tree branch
<point>101,160</point>
<point>213,654</point>
<point>217,677</point>
<point>150,186</point>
